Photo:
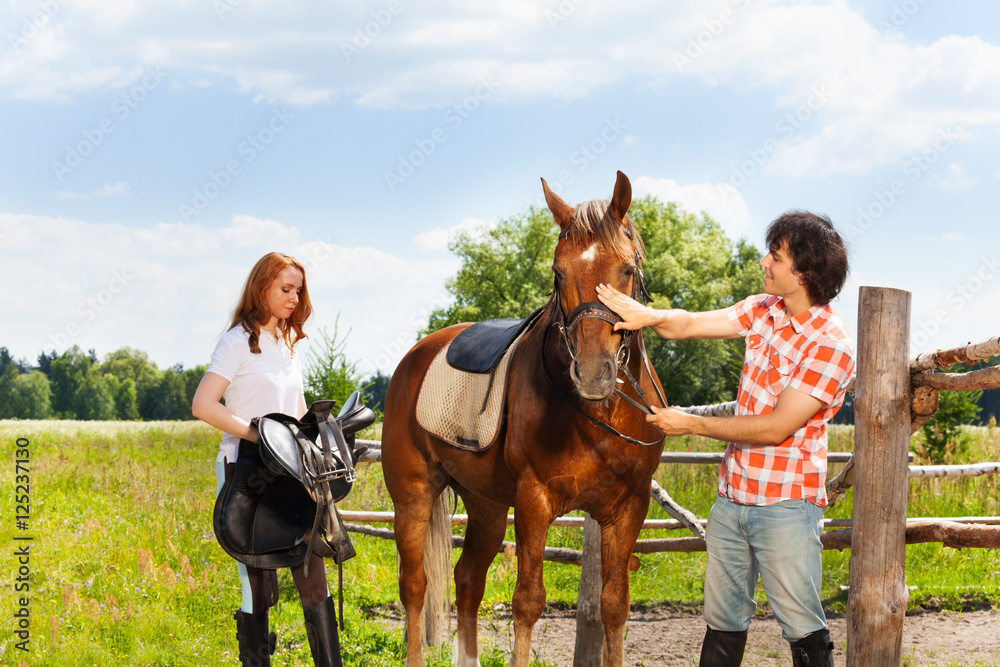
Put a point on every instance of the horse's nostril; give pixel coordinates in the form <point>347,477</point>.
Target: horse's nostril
<point>574,373</point>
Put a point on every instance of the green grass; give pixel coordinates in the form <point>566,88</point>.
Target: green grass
<point>126,569</point>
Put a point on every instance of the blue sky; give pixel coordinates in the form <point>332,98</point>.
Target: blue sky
<point>152,151</point>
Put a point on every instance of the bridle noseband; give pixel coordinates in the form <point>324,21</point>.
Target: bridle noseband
<point>597,310</point>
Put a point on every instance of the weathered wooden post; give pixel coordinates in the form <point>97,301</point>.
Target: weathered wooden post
<point>878,594</point>
<point>436,618</point>
<point>589,626</point>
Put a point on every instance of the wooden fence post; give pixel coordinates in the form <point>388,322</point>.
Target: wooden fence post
<point>878,595</point>
<point>589,626</point>
<point>436,617</point>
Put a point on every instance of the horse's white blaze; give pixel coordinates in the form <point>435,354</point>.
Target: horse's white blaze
<point>590,254</point>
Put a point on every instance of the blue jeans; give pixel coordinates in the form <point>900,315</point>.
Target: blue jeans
<point>780,544</point>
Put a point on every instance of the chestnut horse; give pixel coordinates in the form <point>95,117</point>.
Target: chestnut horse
<point>553,454</point>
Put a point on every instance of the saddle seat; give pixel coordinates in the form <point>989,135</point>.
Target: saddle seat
<point>282,493</point>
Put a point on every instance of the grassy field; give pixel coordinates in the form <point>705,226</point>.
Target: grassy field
<point>125,569</point>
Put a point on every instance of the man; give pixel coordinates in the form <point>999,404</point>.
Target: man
<point>768,515</point>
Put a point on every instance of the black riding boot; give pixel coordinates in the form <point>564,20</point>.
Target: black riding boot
<point>256,644</point>
<point>722,649</point>
<point>321,629</point>
<point>813,650</point>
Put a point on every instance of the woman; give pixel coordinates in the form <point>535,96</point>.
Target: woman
<point>255,368</point>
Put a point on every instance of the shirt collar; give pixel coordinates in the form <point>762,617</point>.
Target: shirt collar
<point>777,311</point>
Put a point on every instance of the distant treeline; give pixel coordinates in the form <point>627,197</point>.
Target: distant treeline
<point>76,385</point>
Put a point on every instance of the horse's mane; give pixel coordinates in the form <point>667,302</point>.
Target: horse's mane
<point>593,219</point>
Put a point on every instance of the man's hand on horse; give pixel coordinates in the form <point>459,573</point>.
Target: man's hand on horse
<point>634,315</point>
<point>671,421</point>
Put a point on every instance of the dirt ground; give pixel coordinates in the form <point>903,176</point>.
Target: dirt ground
<point>672,637</point>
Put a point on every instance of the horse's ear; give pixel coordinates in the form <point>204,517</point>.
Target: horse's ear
<point>622,199</point>
<point>561,211</point>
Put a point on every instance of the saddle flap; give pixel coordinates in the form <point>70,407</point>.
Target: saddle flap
<point>481,346</point>
<point>279,448</point>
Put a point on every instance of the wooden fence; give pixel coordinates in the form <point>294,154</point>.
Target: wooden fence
<point>894,396</point>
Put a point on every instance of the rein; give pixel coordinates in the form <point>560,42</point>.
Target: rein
<point>597,310</point>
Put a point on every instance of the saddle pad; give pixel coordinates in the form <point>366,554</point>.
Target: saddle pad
<point>480,347</point>
<point>462,408</point>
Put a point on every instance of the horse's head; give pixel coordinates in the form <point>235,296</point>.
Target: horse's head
<point>597,244</point>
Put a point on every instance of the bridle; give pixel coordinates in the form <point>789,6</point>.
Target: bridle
<point>596,310</point>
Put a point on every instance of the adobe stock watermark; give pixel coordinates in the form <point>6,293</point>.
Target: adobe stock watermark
<point>583,157</point>
<point>453,118</point>
<point>959,297</point>
<point>914,167</point>
<point>90,307</point>
<point>396,348</point>
<point>786,127</point>
<point>562,12</point>
<point>712,29</point>
<point>32,25</point>
<point>248,150</point>
<point>121,108</point>
<point>363,35</point>
<point>900,15</point>
<point>223,7</point>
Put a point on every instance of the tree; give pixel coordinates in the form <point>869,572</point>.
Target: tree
<point>124,395</point>
<point>944,438</point>
<point>376,387</point>
<point>690,264</point>
<point>66,372</point>
<point>166,399</point>
<point>23,395</point>
<point>93,398</point>
<point>328,373</point>
<point>505,272</point>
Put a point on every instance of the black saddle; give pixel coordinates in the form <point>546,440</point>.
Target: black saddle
<point>280,496</point>
<point>481,346</point>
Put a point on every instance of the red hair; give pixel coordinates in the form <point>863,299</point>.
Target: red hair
<point>252,312</point>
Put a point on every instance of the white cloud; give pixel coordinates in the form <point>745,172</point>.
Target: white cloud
<point>119,189</point>
<point>438,238</point>
<point>887,95</point>
<point>168,289</point>
<point>719,200</point>
<point>955,179</point>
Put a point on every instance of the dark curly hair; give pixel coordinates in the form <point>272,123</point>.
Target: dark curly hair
<point>817,252</point>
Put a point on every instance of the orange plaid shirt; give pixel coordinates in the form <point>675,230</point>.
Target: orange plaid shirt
<point>811,353</point>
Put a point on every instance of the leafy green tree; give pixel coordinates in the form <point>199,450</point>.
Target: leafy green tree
<point>690,264</point>
<point>5,358</point>
<point>166,399</point>
<point>375,393</point>
<point>944,439</point>
<point>45,361</point>
<point>124,395</point>
<point>33,394</point>
<point>93,398</point>
<point>191,378</point>
<point>328,373</point>
<point>506,271</point>
<point>9,408</point>
<point>128,363</point>
<point>66,372</point>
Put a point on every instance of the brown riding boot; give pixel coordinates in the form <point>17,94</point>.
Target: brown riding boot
<point>321,629</point>
<point>256,644</point>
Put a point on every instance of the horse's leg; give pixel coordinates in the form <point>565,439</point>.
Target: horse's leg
<point>531,525</point>
<point>483,537</point>
<point>413,500</point>
<point>617,539</point>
